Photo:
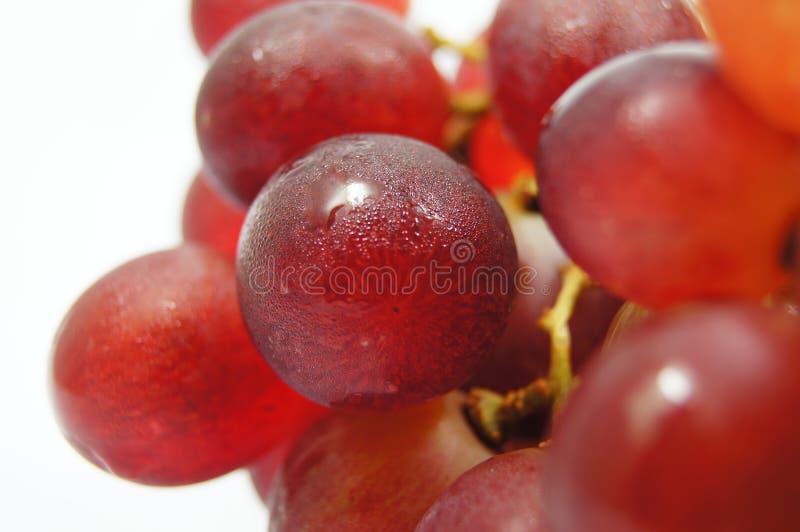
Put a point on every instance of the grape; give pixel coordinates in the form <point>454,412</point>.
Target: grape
<point>760,44</point>
<point>684,425</point>
<point>538,48</point>
<point>156,380</point>
<point>214,19</point>
<point>502,493</point>
<point>307,71</point>
<point>265,469</point>
<point>374,471</point>
<point>494,158</point>
<point>664,186</point>
<point>379,245</point>
<point>211,219</point>
<point>523,352</point>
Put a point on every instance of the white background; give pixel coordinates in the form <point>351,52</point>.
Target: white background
<point>97,148</point>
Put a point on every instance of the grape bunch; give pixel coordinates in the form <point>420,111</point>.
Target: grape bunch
<point>556,293</point>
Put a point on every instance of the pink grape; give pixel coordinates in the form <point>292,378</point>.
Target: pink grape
<point>304,72</point>
<point>374,471</point>
<point>683,425</point>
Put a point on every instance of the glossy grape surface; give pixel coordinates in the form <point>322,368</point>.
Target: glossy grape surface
<point>211,219</point>
<point>494,157</point>
<point>362,272</point>
<point>307,71</point>
<point>156,380</point>
<point>538,48</point>
<point>685,425</point>
<point>664,186</point>
<point>214,19</point>
<point>500,494</point>
<point>760,44</point>
<point>523,352</point>
<point>374,471</point>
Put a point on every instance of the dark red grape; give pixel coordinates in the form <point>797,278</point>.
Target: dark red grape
<point>760,43</point>
<point>523,352</point>
<point>214,19</point>
<point>304,72</point>
<point>684,425</point>
<point>500,494</point>
<point>664,186</point>
<point>374,471</point>
<point>210,219</point>
<point>494,158</point>
<point>538,48</point>
<point>362,272</point>
<point>156,379</point>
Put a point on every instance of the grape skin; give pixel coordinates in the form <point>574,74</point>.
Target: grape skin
<point>500,494</point>
<point>538,48</point>
<point>211,219</point>
<point>684,425</point>
<point>374,471</point>
<point>155,379</point>
<point>214,19</point>
<point>354,204</point>
<point>304,72</point>
<point>664,186</point>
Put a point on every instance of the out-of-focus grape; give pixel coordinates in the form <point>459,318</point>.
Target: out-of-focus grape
<point>214,19</point>
<point>664,186</point>
<point>760,42</point>
<point>494,158</point>
<point>156,380</point>
<point>374,471</point>
<point>211,219</point>
<point>684,425</point>
<point>538,48</point>
<point>375,272</point>
<point>307,71</point>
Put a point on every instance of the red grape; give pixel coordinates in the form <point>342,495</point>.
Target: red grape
<point>379,245</point>
<point>684,425</point>
<point>502,493</point>
<point>264,471</point>
<point>155,377</point>
<point>494,157</point>
<point>538,48</point>
<point>214,19</point>
<point>664,186</point>
<point>523,352</point>
<point>374,471</point>
<point>209,218</point>
<point>760,42</point>
<point>304,72</point>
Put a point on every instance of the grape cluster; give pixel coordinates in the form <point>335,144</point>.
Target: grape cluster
<point>557,293</point>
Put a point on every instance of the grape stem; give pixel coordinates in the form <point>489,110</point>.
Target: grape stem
<point>471,102</point>
<point>493,414</point>
<point>556,323</point>
<point>476,51</point>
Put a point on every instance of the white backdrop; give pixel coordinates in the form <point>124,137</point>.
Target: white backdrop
<point>97,148</point>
